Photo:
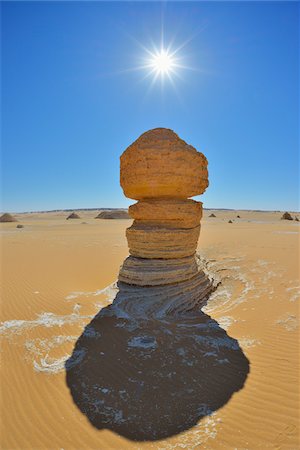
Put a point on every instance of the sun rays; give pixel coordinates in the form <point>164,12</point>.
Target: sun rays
<point>161,64</point>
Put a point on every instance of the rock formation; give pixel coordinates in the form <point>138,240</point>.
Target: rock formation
<point>162,171</point>
<point>113,214</point>
<point>174,364</point>
<point>73,216</point>
<point>286,216</point>
<point>6,217</point>
<point>212,215</point>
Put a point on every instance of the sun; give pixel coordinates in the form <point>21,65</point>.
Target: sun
<point>162,62</point>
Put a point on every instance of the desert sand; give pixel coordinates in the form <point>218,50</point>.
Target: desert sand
<point>57,275</point>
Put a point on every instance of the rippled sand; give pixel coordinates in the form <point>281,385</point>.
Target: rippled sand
<point>58,274</point>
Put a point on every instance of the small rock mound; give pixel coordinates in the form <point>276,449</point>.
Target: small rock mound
<point>238,217</point>
<point>117,214</point>
<point>7,218</point>
<point>212,215</point>
<point>230,221</point>
<point>286,216</point>
<point>20,226</point>
<point>73,216</point>
<point>296,219</point>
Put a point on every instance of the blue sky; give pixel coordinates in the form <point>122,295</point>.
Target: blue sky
<point>71,103</point>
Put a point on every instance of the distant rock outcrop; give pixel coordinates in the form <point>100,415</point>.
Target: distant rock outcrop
<point>161,171</point>
<point>212,215</point>
<point>230,221</point>
<point>296,219</point>
<point>20,226</point>
<point>73,216</point>
<point>113,214</point>
<point>238,217</point>
<point>286,216</point>
<point>6,217</point>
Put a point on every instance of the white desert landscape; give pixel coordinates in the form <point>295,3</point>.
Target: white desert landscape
<point>149,225</point>
<point>176,349</point>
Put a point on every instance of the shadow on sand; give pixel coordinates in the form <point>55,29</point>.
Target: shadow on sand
<point>151,379</point>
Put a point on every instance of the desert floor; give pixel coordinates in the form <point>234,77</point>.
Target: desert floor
<point>54,279</point>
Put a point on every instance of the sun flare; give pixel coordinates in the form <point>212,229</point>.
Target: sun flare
<point>162,62</point>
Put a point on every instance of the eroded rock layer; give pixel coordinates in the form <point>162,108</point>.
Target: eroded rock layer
<point>150,242</point>
<point>171,213</point>
<point>155,272</point>
<point>162,274</point>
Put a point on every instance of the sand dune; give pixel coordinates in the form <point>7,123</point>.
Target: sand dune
<point>58,274</point>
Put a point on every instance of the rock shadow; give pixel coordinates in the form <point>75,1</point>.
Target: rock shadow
<point>151,379</point>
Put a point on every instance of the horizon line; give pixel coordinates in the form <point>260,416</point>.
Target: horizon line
<point>116,208</point>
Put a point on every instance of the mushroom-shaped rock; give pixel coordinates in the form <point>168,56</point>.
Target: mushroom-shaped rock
<point>161,171</point>
<point>6,217</point>
<point>170,353</point>
<point>286,216</point>
<point>160,164</point>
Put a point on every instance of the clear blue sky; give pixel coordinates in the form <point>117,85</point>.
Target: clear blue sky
<point>70,106</point>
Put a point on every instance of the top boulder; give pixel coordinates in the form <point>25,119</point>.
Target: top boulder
<point>161,165</point>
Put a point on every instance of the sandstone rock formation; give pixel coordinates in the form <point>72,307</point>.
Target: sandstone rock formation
<point>6,217</point>
<point>174,364</point>
<point>212,215</point>
<point>162,171</point>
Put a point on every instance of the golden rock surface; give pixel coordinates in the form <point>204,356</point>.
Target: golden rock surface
<point>161,165</point>
<point>172,213</point>
<point>162,242</point>
<point>162,171</point>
